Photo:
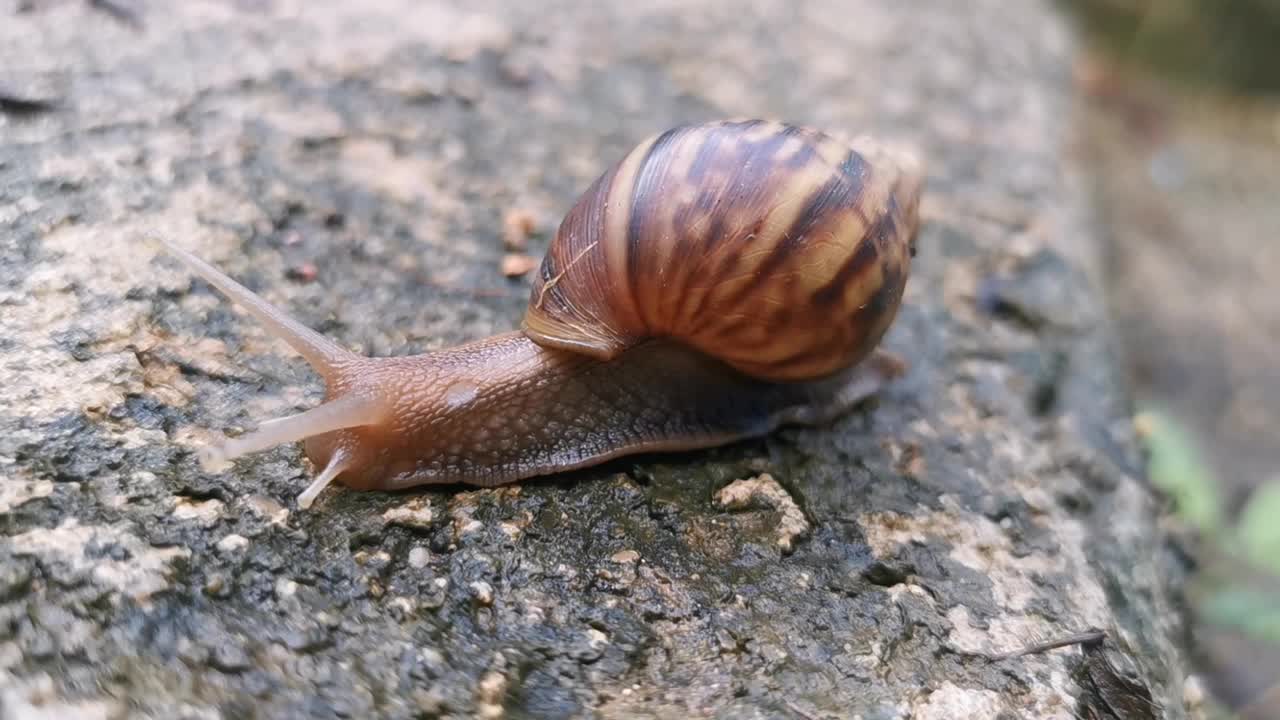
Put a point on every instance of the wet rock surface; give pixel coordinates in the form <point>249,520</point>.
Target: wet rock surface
<point>989,500</point>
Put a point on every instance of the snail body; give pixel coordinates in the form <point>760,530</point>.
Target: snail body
<point>720,281</point>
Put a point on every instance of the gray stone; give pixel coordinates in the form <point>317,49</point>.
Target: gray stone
<point>959,516</point>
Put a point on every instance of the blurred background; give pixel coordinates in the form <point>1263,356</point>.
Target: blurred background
<point>1179,127</point>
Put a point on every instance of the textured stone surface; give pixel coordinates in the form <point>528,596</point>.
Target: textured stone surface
<point>354,165</point>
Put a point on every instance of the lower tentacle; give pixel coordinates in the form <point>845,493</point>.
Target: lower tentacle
<point>338,461</point>
<point>347,411</point>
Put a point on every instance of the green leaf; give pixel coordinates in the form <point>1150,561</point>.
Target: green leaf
<point>1259,527</point>
<point>1177,468</point>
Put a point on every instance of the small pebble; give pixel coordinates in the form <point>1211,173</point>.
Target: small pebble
<point>216,586</point>
<point>402,603</point>
<point>517,225</point>
<point>267,508</point>
<point>229,658</point>
<point>233,543</point>
<point>625,557</point>
<point>489,695</point>
<point>482,593</point>
<point>285,588</point>
<point>431,659</point>
<point>765,490</point>
<point>415,513</point>
<point>419,557</point>
<point>1193,692</point>
<point>206,512</point>
<point>518,264</point>
<point>428,702</point>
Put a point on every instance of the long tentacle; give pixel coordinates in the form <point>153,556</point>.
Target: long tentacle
<point>323,354</point>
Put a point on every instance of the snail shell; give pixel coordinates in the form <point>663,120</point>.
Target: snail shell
<point>778,249</point>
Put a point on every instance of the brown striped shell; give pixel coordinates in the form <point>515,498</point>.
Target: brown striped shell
<point>778,249</point>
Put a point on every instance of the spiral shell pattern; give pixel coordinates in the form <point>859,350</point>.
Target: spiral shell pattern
<point>776,248</point>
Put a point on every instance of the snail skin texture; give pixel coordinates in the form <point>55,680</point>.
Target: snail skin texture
<point>722,280</point>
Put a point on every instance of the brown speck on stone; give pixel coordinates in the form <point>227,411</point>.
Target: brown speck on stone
<point>911,461</point>
<point>303,272</point>
<point>517,226</point>
<point>518,264</point>
<point>482,593</point>
<point>515,71</point>
<point>215,585</point>
<point>165,381</point>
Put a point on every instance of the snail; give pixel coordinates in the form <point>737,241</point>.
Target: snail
<point>720,281</point>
